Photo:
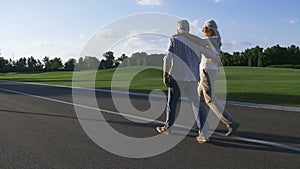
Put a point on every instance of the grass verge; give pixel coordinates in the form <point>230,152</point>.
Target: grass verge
<point>246,84</point>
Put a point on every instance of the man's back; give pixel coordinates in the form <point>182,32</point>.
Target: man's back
<point>184,55</point>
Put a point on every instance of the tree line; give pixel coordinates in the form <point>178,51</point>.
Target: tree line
<point>259,57</point>
<point>255,57</point>
<point>32,64</point>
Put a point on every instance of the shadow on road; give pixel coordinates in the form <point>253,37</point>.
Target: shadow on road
<point>219,141</point>
<point>229,142</point>
<point>238,144</point>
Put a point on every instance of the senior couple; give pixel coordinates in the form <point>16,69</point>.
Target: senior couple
<point>191,66</point>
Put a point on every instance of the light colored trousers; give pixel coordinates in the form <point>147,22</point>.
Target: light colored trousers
<point>207,93</point>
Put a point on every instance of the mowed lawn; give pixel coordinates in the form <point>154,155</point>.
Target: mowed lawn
<point>276,86</point>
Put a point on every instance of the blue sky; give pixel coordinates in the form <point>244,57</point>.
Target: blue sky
<point>62,27</point>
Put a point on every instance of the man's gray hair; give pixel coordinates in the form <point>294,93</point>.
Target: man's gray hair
<point>183,26</point>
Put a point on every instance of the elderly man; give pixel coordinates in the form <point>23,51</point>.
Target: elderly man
<point>181,72</point>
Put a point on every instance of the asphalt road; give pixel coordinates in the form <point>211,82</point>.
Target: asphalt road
<point>39,129</point>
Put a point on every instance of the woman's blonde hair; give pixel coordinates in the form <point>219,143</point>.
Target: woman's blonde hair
<point>211,24</point>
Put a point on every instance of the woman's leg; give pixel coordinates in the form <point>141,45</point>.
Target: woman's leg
<point>208,78</point>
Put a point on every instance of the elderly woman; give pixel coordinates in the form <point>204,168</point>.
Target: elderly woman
<point>210,48</point>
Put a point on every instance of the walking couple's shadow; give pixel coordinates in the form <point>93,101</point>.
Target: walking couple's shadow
<point>254,141</point>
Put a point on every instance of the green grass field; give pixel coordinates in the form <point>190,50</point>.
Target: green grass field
<point>247,84</point>
<point>263,85</point>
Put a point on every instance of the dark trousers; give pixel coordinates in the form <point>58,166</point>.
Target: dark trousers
<point>190,88</point>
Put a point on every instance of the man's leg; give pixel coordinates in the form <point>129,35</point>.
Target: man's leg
<point>191,90</point>
<point>173,96</point>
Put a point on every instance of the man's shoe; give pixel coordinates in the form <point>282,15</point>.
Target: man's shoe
<point>163,130</point>
<point>201,139</point>
<point>232,128</point>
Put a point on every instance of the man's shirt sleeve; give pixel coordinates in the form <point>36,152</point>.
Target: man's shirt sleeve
<point>170,51</point>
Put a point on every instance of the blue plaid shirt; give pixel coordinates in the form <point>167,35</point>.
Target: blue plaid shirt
<point>184,57</point>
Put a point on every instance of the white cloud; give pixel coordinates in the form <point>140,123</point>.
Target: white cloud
<point>107,33</point>
<point>141,31</point>
<point>150,43</point>
<point>64,51</point>
<point>265,40</point>
<point>195,28</point>
<point>216,1</point>
<point>291,20</point>
<point>233,45</point>
<point>195,23</point>
<point>150,2</point>
<point>43,44</point>
<point>82,35</point>
<point>69,53</point>
<point>236,42</point>
<point>39,50</point>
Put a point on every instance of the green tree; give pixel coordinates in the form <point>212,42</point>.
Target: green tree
<point>109,59</point>
<point>47,63</point>
<point>31,62</point>
<point>4,65</point>
<point>256,55</point>
<point>34,64</point>
<point>226,59</point>
<point>70,65</point>
<point>56,64</point>
<point>91,62</point>
<point>154,60</point>
<point>236,59</point>
<point>102,64</point>
<point>294,53</point>
<point>21,65</point>
<point>137,58</point>
<point>123,59</point>
<point>80,65</point>
<point>276,55</point>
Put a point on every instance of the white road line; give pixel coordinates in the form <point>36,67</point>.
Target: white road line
<point>244,104</point>
<point>82,106</point>
<point>156,121</point>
